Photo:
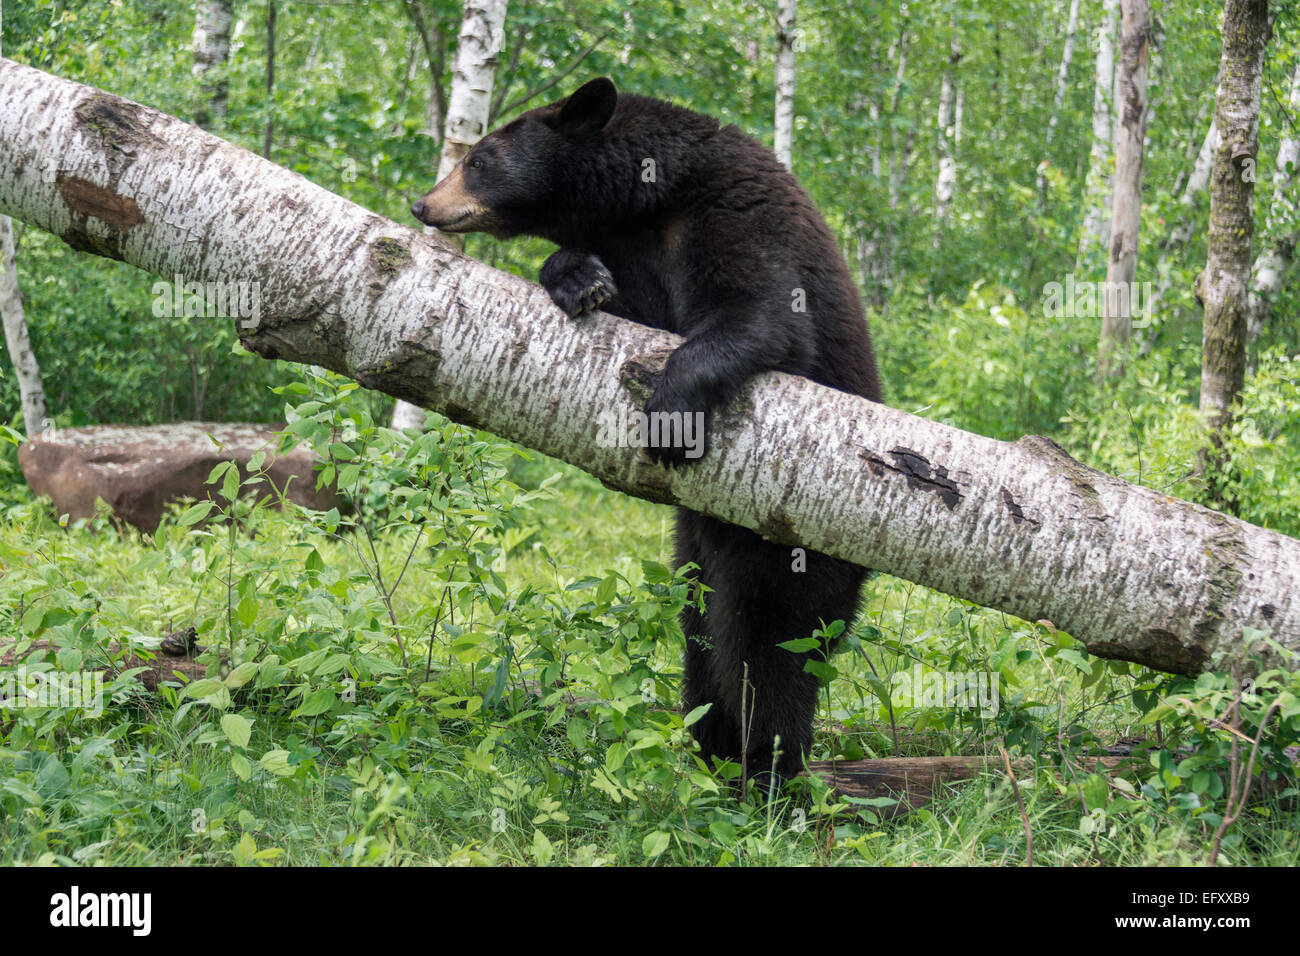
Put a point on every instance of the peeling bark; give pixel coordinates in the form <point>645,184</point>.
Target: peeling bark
<point>1018,526</point>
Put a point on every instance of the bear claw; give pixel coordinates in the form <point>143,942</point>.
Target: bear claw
<point>577,282</point>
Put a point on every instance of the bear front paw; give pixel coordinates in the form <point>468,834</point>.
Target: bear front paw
<point>577,282</point>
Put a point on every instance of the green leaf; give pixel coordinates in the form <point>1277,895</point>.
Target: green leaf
<point>240,766</point>
<point>543,851</point>
<point>801,645</point>
<point>655,573</point>
<point>238,729</point>
<point>607,590</point>
<point>277,762</point>
<point>194,514</point>
<point>821,669</point>
<point>246,611</point>
<point>1095,791</point>
<point>615,756</point>
<point>655,843</point>
<point>695,715</point>
<point>242,674</point>
<point>318,703</point>
<point>203,688</point>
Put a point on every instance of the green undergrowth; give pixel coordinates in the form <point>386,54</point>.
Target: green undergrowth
<point>475,659</point>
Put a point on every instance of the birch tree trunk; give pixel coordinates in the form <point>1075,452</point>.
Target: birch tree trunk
<point>1226,283</point>
<point>1062,84</point>
<point>783,135</point>
<point>876,255</point>
<point>1096,223</point>
<point>1197,181</point>
<point>1018,526</point>
<point>946,182</point>
<point>268,133</point>
<point>1283,223</point>
<point>31,387</point>
<point>1063,72</point>
<point>1126,217</point>
<point>212,20</point>
<point>482,31</point>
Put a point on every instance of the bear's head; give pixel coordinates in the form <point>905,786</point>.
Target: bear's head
<point>512,181</point>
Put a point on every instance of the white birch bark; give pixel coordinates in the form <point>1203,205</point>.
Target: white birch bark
<point>482,31</point>
<point>1197,180</point>
<point>783,135</point>
<point>211,45</point>
<point>946,181</point>
<point>1062,84</point>
<point>1283,224</point>
<point>1126,215</point>
<point>876,254</point>
<point>1096,222</point>
<point>1063,71</point>
<point>31,388</point>
<point>27,371</point>
<point>1018,526</point>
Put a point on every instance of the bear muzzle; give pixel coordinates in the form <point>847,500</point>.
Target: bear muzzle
<point>451,207</point>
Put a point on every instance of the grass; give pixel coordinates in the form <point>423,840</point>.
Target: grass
<point>457,770</point>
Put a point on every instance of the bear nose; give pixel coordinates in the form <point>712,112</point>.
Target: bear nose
<point>417,209</point>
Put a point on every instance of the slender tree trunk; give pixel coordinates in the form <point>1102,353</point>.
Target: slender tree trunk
<point>435,52</point>
<point>1018,526</point>
<point>882,249</point>
<point>1197,180</point>
<point>31,387</point>
<point>212,19</point>
<point>1096,222</point>
<point>946,181</point>
<point>270,79</point>
<point>482,31</point>
<point>1126,218</point>
<point>1226,280</point>
<point>1063,71</point>
<point>1062,84</point>
<point>783,137</point>
<point>1157,83</point>
<point>1277,258</point>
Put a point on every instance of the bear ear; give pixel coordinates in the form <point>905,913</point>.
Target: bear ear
<point>586,112</point>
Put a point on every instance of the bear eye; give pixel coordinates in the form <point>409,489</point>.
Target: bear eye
<point>476,163</point>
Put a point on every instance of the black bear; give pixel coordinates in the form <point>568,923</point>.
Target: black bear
<point>665,217</point>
